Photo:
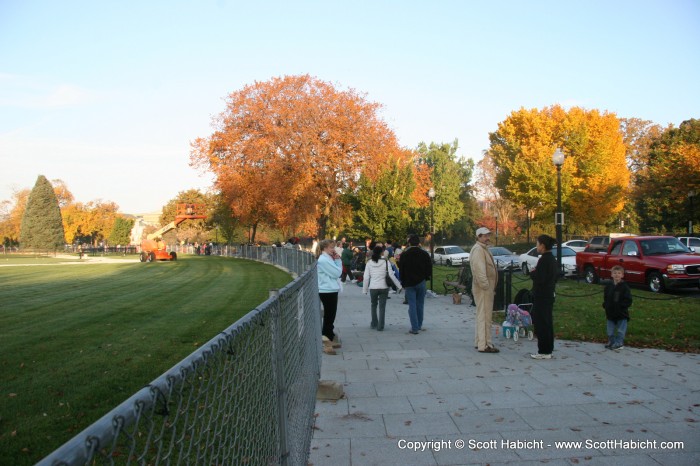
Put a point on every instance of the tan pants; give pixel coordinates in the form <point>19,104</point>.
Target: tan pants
<point>484,314</point>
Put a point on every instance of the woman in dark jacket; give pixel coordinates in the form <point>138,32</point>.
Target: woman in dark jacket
<point>544,278</point>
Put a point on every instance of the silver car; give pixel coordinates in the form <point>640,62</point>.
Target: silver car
<point>505,258</point>
<point>577,245</point>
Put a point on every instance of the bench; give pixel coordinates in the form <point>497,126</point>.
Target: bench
<point>460,283</point>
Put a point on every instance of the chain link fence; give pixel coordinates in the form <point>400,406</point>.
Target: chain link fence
<point>245,397</point>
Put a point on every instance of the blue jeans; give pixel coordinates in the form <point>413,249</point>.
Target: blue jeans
<point>619,338</point>
<point>415,295</point>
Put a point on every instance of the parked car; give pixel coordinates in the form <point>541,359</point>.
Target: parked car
<point>528,261</point>
<point>601,243</point>
<point>505,258</point>
<point>660,262</point>
<point>690,242</point>
<point>450,255</point>
<point>576,244</point>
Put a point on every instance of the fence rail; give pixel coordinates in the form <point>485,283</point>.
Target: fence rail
<point>245,397</point>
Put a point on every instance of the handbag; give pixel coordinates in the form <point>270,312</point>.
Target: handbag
<point>389,282</point>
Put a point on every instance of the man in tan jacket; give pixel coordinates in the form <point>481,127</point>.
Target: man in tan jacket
<point>484,282</point>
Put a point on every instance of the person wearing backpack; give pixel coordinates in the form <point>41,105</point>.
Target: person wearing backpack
<point>375,283</point>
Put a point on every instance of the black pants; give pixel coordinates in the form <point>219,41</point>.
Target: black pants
<point>544,324</point>
<point>330,308</point>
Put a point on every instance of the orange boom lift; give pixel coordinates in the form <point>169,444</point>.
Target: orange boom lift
<point>153,247</point>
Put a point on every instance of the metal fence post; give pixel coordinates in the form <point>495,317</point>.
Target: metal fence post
<point>278,345</point>
<point>509,288</point>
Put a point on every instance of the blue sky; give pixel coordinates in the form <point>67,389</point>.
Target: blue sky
<point>107,96</point>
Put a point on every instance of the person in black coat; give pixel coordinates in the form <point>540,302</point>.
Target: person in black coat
<point>616,302</point>
<point>415,267</point>
<point>544,278</point>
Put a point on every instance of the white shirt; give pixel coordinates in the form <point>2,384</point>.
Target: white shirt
<point>375,276</point>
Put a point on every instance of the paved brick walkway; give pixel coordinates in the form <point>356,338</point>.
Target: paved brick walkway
<point>434,392</point>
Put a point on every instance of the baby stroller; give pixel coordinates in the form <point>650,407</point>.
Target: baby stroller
<point>518,322</point>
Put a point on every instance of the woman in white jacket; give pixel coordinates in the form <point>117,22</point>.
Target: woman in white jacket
<point>374,282</point>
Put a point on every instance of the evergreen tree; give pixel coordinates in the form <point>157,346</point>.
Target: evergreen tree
<point>42,226</point>
<point>121,231</point>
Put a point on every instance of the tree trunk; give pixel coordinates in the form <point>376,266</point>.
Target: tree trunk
<point>322,225</point>
<point>254,229</point>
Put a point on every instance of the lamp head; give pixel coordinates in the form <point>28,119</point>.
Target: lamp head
<point>431,193</point>
<point>558,157</point>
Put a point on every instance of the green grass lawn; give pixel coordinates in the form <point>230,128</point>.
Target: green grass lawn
<point>77,340</point>
<point>663,321</point>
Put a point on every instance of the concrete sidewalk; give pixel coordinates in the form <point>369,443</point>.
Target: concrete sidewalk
<point>435,393</point>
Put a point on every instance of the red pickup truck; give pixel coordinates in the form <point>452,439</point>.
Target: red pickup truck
<point>660,262</point>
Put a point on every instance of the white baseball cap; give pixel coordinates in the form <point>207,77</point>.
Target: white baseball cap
<point>482,231</point>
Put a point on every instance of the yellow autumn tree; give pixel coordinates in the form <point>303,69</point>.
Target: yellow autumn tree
<point>89,222</point>
<point>595,177</point>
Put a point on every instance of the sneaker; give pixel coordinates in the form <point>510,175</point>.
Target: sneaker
<point>608,346</point>
<point>616,347</point>
<point>413,332</point>
<point>541,356</point>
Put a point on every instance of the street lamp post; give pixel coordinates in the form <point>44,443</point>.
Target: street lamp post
<point>558,160</point>
<point>496,217</point>
<point>691,195</point>
<point>431,195</point>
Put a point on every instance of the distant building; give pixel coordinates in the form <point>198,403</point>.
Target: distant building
<point>141,221</point>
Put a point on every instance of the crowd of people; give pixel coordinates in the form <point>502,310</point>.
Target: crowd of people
<point>379,267</point>
<point>385,267</point>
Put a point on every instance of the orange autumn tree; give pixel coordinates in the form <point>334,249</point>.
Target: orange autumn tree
<point>284,151</point>
<point>595,176</point>
<point>667,181</point>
